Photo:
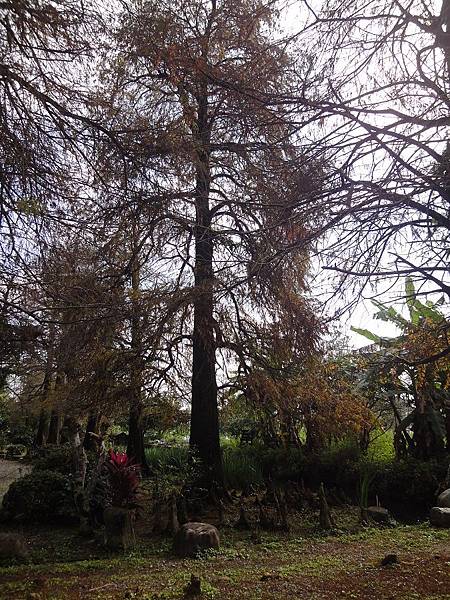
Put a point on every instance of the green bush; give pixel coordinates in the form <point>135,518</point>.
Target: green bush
<point>381,447</point>
<point>39,496</point>
<point>16,450</point>
<point>336,466</point>
<point>408,487</point>
<point>54,458</point>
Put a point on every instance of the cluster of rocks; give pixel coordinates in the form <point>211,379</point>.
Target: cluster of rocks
<point>440,514</point>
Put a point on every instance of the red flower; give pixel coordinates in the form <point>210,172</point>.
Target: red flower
<point>123,478</point>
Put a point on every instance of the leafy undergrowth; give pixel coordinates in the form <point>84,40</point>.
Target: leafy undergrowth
<point>303,564</point>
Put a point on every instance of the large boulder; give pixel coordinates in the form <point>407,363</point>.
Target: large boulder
<point>193,538</point>
<point>14,546</point>
<point>444,499</point>
<point>440,517</point>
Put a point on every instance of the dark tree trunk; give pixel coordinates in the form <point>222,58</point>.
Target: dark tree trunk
<point>447,428</point>
<point>42,430</point>
<point>204,434</point>
<point>43,425</point>
<point>135,447</point>
<point>89,441</point>
<point>325,518</point>
<point>54,432</point>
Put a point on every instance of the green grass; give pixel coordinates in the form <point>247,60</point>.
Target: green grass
<point>242,468</point>
<point>161,458</point>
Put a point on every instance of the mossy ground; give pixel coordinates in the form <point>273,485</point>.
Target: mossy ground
<point>304,564</point>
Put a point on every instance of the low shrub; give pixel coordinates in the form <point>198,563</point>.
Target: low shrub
<point>60,459</point>
<point>172,470</point>
<point>39,496</point>
<point>123,479</point>
<point>16,451</point>
<point>408,487</point>
<point>54,458</point>
<point>336,466</point>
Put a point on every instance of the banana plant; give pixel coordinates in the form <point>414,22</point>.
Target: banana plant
<point>422,430</point>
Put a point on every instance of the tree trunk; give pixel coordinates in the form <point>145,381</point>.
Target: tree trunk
<point>135,447</point>
<point>89,442</point>
<point>325,518</point>
<point>42,430</point>
<point>54,432</point>
<point>428,438</point>
<point>80,463</point>
<point>43,425</point>
<point>204,434</point>
<point>447,428</point>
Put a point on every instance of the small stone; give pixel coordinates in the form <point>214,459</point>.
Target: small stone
<point>389,559</point>
<point>269,576</point>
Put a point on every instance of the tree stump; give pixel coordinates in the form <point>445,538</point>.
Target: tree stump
<point>326,518</point>
<point>119,530</point>
<point>194,587</point>
<point>242,523</point>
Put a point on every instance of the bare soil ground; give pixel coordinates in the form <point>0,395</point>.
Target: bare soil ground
<point>303,564</point>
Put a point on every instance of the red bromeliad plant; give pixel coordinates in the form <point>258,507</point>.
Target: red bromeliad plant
<point>123,478</point>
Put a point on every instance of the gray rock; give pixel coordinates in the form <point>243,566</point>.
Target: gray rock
<point>379,515</point>
<point>440,517</point>
<point>192,538</point>
<point>444,499</point>
<point>13,545</point>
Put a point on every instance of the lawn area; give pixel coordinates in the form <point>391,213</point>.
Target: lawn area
<point>303,564</point>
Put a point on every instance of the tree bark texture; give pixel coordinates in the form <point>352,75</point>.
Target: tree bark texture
<point>135,447</point>
<point>43,424</point>
<point>204,434</point>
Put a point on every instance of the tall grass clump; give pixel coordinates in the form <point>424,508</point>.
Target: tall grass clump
<point>243,469</point>
<point>163,458</point>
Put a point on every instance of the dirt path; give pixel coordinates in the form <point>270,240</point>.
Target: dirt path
<point>10,470</point>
